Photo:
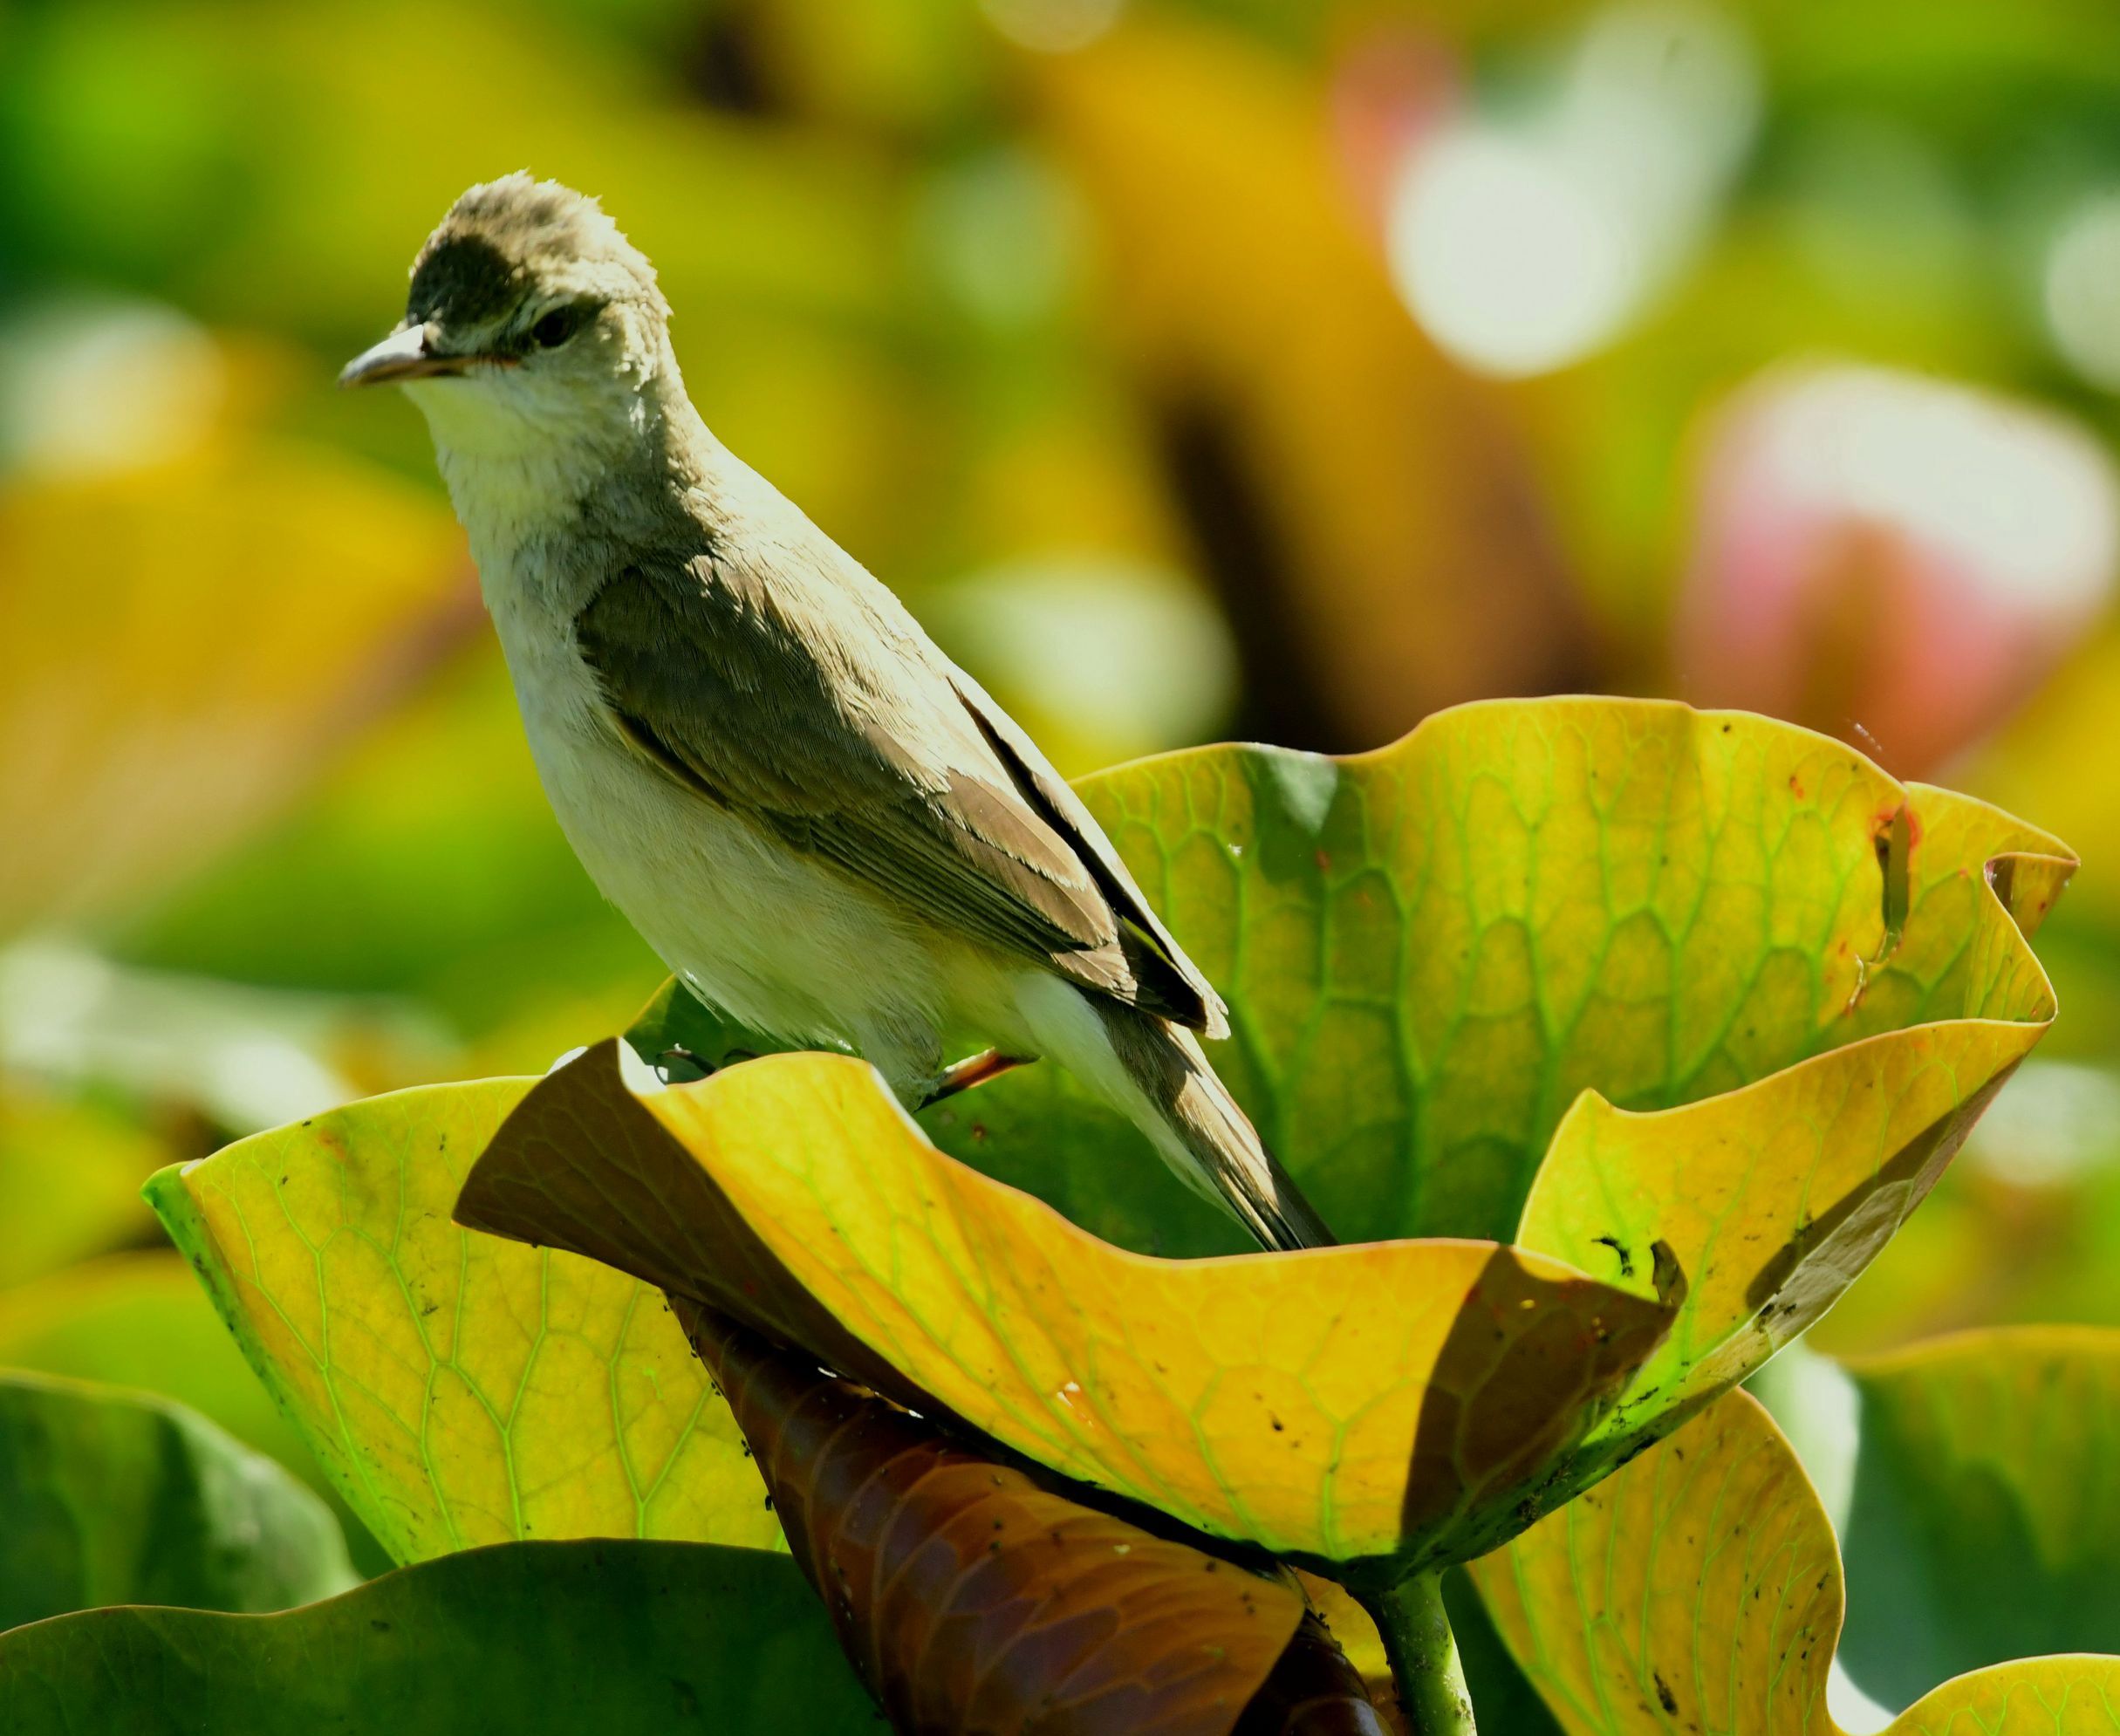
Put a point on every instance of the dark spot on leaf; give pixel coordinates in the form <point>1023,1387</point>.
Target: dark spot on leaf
<point>1665,1699</point>
<point>1626,1259</point>
<point>1667,1274</point>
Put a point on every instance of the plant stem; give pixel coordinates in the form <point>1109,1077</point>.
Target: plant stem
<point>1424,1656</point>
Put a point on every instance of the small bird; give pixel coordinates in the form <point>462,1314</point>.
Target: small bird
<point>827,829</point>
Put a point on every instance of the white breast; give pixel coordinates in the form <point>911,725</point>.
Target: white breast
<point>776,940</point>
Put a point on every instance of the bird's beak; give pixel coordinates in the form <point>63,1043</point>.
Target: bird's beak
<point>402,355</point>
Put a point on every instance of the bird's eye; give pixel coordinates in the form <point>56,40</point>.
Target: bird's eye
<point>558,325</point>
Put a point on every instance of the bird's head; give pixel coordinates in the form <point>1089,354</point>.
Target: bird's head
<point>531,322</point>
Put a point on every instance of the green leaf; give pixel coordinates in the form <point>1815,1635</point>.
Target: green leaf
<point>1502,1699</point>
<point>679,1036</point>
<point>1770,1200</point>
<point>1594,976</point>
<point>2078,1696</point>
<point>1431,951</point>
<point>2024,1228</point>
<point>1699,1588</point>
<point>115,1497</point>
<point>1396,1403</point>
<point>458,1391</point>
<point>535,1639</point>
<point>1986,1517</point>
<point>142,1320</point>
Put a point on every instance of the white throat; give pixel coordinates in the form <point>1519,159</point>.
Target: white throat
<point>521,455</point>
<point>518,463</point>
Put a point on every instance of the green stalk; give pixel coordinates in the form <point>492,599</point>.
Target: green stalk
<point>1424,1656</point>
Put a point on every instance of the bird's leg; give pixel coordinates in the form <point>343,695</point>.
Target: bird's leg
<point>973,1069</point>
<point>681,1066</point>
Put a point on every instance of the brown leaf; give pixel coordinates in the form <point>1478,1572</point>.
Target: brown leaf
<point>1313,1692</point>
<point>580,1165</point>
<point>971,1598</point>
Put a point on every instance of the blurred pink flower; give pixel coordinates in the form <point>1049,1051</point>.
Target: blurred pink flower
<point>1890,558</point>
<point>1392,87</point>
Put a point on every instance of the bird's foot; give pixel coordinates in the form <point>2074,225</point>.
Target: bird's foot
<point>680,1066</point>
<point>973,1069</point>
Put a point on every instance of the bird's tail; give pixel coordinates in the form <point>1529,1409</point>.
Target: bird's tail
<point>1202,1133</point>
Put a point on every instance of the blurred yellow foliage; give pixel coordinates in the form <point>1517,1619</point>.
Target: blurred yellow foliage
<point>180,645</point>
<point>1365,503</point>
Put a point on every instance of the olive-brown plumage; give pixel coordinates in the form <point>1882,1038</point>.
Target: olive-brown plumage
<point>826,828</point>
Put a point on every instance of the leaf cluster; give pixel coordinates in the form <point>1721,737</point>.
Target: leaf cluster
<point>1622,1035</point>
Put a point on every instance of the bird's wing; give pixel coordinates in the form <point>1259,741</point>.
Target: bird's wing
<point>822,716</point>
<point>1061,810</point>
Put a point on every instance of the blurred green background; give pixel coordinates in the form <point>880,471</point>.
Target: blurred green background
<point>1229,367</point>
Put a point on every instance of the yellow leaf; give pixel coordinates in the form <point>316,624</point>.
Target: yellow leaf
<point>1697,1003</point>
<point>1397,1400</point>
<point>459,1390</point>
<point>1765,1202</point>
<point>1700,1589</point>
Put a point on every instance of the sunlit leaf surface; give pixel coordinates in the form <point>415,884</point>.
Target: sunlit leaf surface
<point>1699,1003</point>
<point>459,1390</point>
<point>1700,1589</point>
<point>1771,1200</point>
<point>539,1639</point>
<point>1430,951</point>
<point>1399,1399</point>
<point>108,1496</point>
<point>1641,975</point>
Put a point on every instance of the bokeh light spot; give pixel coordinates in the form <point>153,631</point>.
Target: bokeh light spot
<point>2082,292</point>
<point>1052,26</point>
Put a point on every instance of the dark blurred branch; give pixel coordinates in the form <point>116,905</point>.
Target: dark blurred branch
<point>1285,697</point>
